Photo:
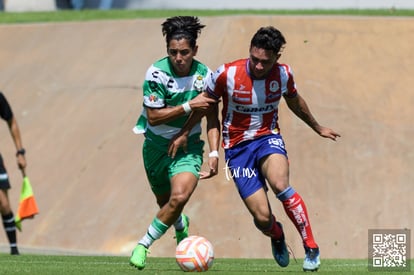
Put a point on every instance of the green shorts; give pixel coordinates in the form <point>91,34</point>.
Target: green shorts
<point>160,168</point>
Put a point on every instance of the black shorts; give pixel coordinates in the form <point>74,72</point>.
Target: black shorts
<point>4,178</point>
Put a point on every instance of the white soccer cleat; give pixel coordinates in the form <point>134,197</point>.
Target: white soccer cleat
<point>312,260</point>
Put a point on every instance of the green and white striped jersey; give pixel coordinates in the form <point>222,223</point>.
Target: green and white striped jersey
<point>163,88</point>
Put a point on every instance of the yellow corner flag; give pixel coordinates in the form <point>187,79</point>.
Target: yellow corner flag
<point>27,206</point>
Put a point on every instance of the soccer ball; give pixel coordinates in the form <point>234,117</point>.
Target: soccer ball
<point>194,253</point>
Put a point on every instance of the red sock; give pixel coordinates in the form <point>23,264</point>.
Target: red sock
<point>274,231</point>
<point>296,210</point>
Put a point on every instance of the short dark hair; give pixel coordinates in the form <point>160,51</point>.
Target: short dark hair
<point>268,38</point>
<point>179,27</point>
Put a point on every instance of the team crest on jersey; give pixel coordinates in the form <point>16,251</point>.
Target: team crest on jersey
<point>199,83</point>
<point>274,86</point>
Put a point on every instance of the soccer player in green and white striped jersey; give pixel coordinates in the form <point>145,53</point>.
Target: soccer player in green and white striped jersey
<point>172,90</point>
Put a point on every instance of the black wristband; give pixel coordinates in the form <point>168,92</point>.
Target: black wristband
<point>21,152</point>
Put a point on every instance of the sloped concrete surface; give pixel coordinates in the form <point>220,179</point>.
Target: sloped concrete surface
<point>76,91</point>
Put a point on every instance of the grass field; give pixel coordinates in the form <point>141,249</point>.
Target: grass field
<point>58,264</point>
<point>62,265</point>
<point>87,15</point>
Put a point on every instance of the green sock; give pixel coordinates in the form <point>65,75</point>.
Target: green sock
<point>156,229</point>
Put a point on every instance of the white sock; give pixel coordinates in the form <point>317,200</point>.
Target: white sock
<point>179,223</point>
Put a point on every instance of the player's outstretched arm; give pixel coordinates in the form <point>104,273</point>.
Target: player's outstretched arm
<point>300,108</point>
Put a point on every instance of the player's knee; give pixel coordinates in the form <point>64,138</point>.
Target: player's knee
<point>178,201</point>
<point>279,186</point>
<point>262,219</point>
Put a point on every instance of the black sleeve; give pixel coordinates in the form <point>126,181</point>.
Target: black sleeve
<point>5,109</point>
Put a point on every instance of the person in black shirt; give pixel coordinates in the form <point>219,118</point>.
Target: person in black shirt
<point>5,208</point>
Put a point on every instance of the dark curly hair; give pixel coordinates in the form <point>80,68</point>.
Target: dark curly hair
<point>268,38</point>
<point>179,27</point>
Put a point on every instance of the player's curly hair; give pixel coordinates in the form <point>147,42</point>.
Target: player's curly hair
<point>268,38</point>
<point>179,27</point>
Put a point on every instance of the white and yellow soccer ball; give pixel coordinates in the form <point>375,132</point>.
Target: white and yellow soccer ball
<point>194,253</point>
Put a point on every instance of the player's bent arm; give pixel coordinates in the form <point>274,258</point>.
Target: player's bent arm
<point>213,128</point>
<point>213,136</point>
<point>157,116</point>
<point>180,140</point>
<point>299,107</point>
<point>164,115</point>
<point>199,112</point>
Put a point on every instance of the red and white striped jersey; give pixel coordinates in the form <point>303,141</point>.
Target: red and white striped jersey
<point>250,106</point>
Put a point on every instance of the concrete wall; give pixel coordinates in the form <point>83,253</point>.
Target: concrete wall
<point>76,92</point>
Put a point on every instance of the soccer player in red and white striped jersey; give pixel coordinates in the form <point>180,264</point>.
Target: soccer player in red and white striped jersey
<point>255,153</point>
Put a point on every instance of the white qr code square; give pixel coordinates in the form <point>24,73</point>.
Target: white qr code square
<point>389,250</point>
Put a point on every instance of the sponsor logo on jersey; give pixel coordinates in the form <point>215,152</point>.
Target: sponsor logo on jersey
<point>153,98</point>
<point>261,109</point>
<point>243,97</point>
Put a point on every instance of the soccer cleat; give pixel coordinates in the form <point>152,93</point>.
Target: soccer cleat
<point>279,250</point>
<point>312,260</point>
<point>182,234</point>
<point>138,257</point>
<point>14,251</point>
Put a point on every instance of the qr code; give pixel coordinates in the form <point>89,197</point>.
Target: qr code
<point>389,250</point>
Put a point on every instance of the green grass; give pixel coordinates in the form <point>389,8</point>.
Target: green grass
<point>78,265</point>
<point>87,15</point>
<point>63,265</point>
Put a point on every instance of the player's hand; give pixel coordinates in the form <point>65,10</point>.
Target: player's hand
<point>177,142</point>
<point>213,165</point>
<point>21,161</point>
<point>201,102</point>
<point>328,133</point>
